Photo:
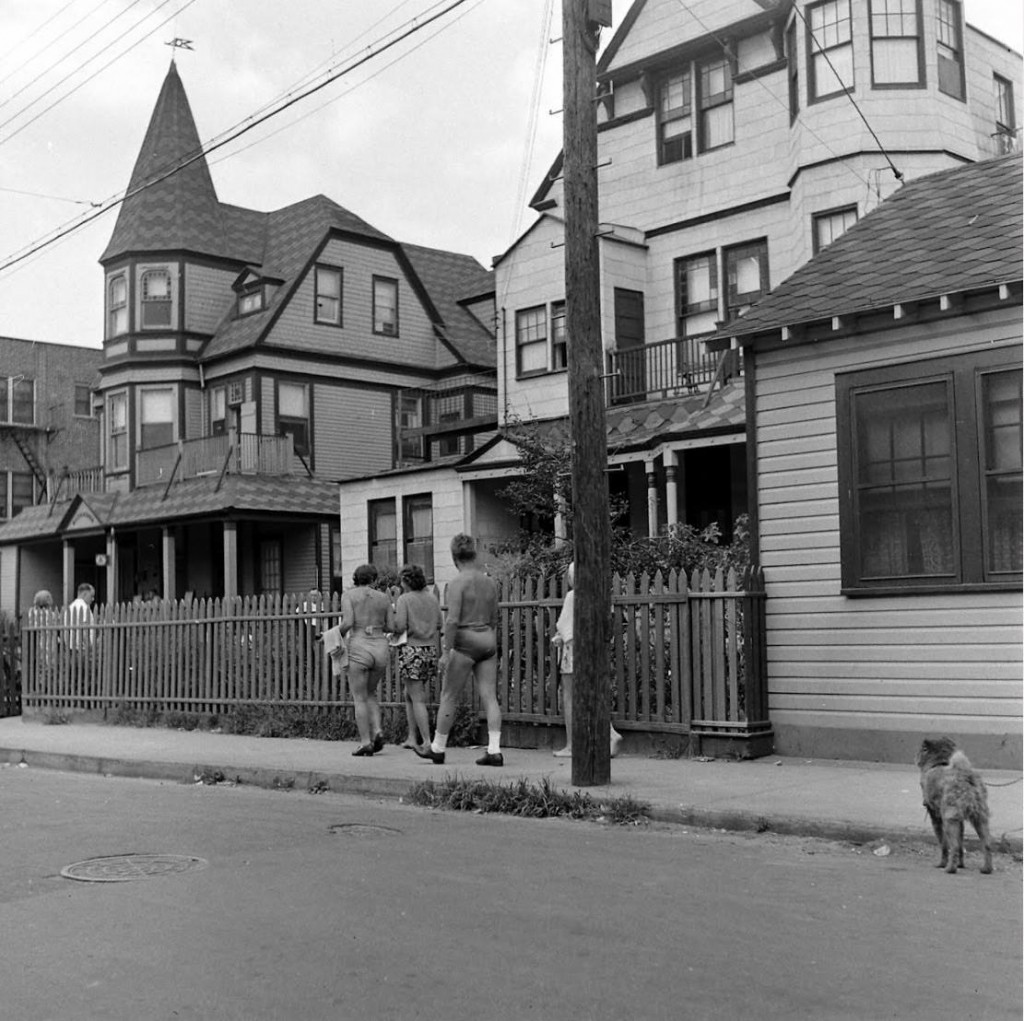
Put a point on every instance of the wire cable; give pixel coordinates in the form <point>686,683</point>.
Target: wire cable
<point>415,26</point>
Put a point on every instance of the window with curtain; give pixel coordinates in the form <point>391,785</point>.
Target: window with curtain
<point>383,530</point>
<point>715,88</point>
<point>950,48</point>
<point>697,294</point>
<point>675,129</point>
<point>293,415</point>
<point>117,305</point>
<point>746,270</point>
<point>829,49</point>
<point>156,418</point>
<point>930,473</point>
<point>829,225</point>
<point>897,57</point>
<point>156,298</point>
<point>117,431</point>
<point>418,526</point>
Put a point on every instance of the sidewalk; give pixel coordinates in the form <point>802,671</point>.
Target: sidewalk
<point>854,801</point>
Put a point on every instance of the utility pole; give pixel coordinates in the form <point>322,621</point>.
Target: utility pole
<point>581,21</point>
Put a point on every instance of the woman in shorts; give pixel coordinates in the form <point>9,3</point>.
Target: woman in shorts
<point>418,616</point>
<point>366,617</point>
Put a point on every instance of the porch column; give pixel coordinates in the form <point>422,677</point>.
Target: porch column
<point>69,572</point>
<point>671,461</point>
<point>113,596</point>
<point>170,581</point>
<point>230,558</point>
<point>468,509</point>
<point>652,499</point>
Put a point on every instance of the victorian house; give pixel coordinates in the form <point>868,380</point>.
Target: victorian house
<point>251,360</point>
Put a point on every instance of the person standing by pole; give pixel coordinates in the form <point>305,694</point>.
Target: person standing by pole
<point>581,23</point>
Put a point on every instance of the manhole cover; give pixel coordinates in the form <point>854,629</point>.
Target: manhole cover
<point>362,829</point>
<point>120,868</point>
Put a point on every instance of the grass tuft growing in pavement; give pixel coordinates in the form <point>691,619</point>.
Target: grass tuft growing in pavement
<point>526,798</point>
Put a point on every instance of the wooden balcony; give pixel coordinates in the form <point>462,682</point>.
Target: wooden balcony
<point>668,368</point>
<point>240,454</point>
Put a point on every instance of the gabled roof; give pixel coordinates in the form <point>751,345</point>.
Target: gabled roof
<point>450,278</point>
<point>956,231</point>
<point>175,210</point>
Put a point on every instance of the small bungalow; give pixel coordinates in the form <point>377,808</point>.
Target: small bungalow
<point>884,436</point>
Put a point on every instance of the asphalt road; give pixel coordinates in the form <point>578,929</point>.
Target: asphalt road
<point>324,906</point>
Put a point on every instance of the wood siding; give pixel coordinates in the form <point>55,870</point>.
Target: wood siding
<point>353,431</point>
<point>208,296</point>
<point>950,661</point>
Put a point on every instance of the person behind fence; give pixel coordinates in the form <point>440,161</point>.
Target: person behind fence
<point>470,647</point>
<point>418,619</point>
<point>366,618</point>
<point>42,600</point>
<point>564,649</point>
<point>79,619</point>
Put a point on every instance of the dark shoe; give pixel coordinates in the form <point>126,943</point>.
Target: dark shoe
<point>364,749</point>
<point>428,753</point>
<point>492,759</point>
<point>378,742</point>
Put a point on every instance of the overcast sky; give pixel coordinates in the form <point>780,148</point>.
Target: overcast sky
<point>429,142</point>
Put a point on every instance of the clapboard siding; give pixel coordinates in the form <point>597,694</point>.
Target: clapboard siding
<point>861,663</point>
<point>352,431</point>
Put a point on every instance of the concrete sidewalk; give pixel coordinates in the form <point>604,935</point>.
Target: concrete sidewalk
<point>840,800</point>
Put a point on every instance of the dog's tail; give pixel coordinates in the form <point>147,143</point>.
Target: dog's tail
<point>960,762</point>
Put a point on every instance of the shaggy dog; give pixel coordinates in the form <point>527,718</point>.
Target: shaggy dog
<point>953,792</point>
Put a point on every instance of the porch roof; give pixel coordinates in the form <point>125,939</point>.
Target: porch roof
<point>234,495</point>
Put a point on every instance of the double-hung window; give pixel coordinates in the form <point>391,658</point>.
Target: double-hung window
<point>383,530</point>
<point>831,224</point>
<point>418,528</point>
<point>22,495</point>
<point>83,400</point>
<point>218,411</point>
<point>897,54</point>
<point>385,306</point>
<point>829,49</point>
<point>327,283</point>
<point>559,345</point>
<point>697,294</point>
<point>23,400</point>
<point>951,48</point>
<point>714,87</point>
<point>156,418</point>
<point>293,415</point>
<point>271,567</point>
<point>930,473</point>
<point>117,305</point>
<point>675,127</point>
<point>410,417</point>
<point>1006,120</point>
<point>117,432</point>
<point>156,298</point>
<point>746,271</point>
<point>532,340</point>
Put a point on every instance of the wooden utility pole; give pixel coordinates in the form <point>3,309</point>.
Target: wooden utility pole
<point>581,21</point>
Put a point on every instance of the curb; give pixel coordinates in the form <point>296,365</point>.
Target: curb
<point>735,820</point>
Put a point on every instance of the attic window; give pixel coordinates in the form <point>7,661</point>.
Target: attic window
<point>385,306</point>
<point>328,281</point>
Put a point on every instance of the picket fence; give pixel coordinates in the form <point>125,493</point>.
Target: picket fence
<point>686,655</point>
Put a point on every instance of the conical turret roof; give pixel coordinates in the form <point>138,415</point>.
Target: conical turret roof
<point>179,211</point>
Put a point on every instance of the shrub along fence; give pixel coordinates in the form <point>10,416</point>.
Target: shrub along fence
<point>686,657</point>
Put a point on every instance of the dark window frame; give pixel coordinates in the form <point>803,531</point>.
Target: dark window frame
<point>734,300</point>
<point>712,101</point>
<point>299,428</point>
<point>118,435</point>
<point>247,292</point>
<point>957,27</point>
<point>541,312</point>
<point>380,281</point>
<point>823,214</point>
<point>873,15</point>
<point>686,309</point>
<point>793,70</point>
<point>410,503</point>
<point>271,544</point>
<point>23,405</point>
<point>411,448</point>
<point>150,305</point>
<point>667,148</point>
<point>962,375</point>
<point>83,401</point>
<point>373,540</point>
<point>1003,94</point>
<point>337,320</point>
<point>813,95</point>
<point>122,305</point>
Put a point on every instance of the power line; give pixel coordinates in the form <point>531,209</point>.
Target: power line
<point>55,198</point>
<point>416,25</point>
<point>84,63</point>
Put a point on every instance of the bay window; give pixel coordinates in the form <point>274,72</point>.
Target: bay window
<point>829,49</point>
<point>117,305</point>
<point>714,84</point>
<point>117,432</point>
<point>950,49</point>
<point>156,418</point>
<point>897,57</point>
<point>156,298</point>
<point>293,415</point>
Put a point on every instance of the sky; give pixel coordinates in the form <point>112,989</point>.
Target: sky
<point>439,141</point>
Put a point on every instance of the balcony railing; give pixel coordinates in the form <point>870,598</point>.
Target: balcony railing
<point>435,422</point>
<point>668,368</point>
<point>67,483</point>
<point>240,454</point>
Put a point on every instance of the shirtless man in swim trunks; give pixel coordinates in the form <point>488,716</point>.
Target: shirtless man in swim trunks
<point>469,647</point>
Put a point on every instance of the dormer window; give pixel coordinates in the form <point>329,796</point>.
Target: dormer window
<point>117,305</point>
<point>156,298</point>
<point>250,300</point>
<point>385,306</point>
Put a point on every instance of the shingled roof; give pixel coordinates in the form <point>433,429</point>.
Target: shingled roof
<point>953,232</point>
